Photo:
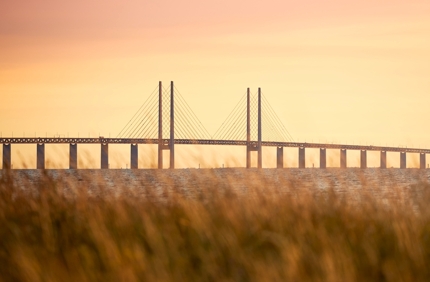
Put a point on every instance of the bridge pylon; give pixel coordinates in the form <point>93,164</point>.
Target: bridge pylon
<point>251,146</point>
<point>164,144</point>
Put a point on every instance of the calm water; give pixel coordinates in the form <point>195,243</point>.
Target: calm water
<point>380,183</point>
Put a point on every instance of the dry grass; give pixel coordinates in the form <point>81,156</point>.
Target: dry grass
<point>58,233</point>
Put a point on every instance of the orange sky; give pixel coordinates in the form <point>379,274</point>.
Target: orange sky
<point>334,71</point>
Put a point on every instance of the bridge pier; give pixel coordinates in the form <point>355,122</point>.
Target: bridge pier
<point>280,157</point>
<point>41,156</point>
<point>250,148</point>
<point>422,160</point>
<point>323,158</point>
<point>383,159</point>
<point>7,156</point>
<point>104,156</point>
<point>363,159</point>
<point>302,162</point>
<point>73,156</point>
<point>342,158</point>
<point>402,159</point>
<point>134,156</point>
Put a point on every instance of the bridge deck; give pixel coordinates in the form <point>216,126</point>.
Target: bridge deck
<point>72,140</point>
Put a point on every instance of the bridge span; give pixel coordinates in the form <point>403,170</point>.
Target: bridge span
<point>243,127</point>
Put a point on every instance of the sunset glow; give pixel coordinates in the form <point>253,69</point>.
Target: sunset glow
<point>334,71</point>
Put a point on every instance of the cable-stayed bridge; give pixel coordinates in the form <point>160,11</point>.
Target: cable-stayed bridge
<point>166,119</point>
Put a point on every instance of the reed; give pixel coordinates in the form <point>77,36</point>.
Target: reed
<point>50,231</point>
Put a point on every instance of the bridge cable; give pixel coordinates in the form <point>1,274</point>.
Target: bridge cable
<point>197,123</point>
<point>278,120</point>
<point>146,121</point>
<point>234,124</point>
<point>183,122</point>
<point>270,122</point>
<point>221,131</point>
<point>139,119</point>
<point>271,130</point>
<point>189,125</point>
<point>138,111</point>
<point>192,126</point>
<point>166,113</point>
<point>254,116</point>
<point>139,123</point>
<point>279,130</point>
<point>150,125</point>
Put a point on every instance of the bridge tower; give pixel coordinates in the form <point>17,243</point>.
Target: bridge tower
<point>164,144</point>
<point>251,146</point>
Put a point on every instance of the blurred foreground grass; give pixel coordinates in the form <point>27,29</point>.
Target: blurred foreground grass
<point>57,233</point>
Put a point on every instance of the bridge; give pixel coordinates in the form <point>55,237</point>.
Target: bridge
<point>243,127</point>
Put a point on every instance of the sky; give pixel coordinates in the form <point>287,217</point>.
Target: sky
<point>354,72</point>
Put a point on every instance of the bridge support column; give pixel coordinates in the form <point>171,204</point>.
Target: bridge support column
<point>402,159</point>
<point>383,159</point>
<point>363,159</point>
<point>104,156</point>
<point>323,158</point>
<point>7,156</point>
<point>160,156</point>
<point>342,158</point>
<point>134,156</point>
<point>280,157</point>
<point>248,157</point>
<point>40,156</point>
<point>422,160</point>
<point>73,156</point>
<point>172,127</point>
<point>302,163</point>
